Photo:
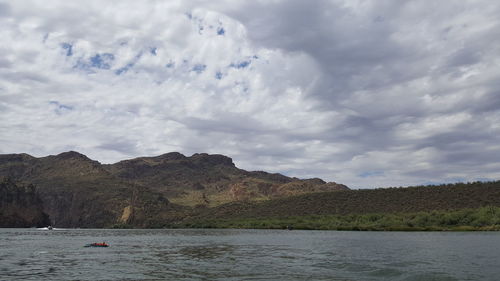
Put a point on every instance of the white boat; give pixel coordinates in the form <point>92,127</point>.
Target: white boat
<point>46,228</point>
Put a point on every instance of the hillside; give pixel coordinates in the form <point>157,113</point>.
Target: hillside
<point>383,201</point>
<point>79,192</point>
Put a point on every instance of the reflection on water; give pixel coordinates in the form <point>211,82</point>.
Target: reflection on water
<point>30,254</point>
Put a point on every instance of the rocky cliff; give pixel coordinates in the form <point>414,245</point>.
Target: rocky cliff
<point>77,192</point>
<point>20,205</point>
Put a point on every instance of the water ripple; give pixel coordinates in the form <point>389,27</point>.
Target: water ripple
<point>30,254</point>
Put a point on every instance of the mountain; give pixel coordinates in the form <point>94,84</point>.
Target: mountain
<point>79,192</point>
<point>20,205</point>
<point>210,180</point>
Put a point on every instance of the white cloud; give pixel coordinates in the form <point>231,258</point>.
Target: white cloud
<point>363,93</point>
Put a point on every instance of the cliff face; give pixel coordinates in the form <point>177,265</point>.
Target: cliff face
<point>20,206</point>
<point>77,192</point>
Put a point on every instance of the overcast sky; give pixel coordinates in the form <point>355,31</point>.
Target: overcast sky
<point>365,93</point>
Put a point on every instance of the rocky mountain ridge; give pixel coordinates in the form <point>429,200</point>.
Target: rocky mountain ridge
<point>210,180</point>
<point>80,192</point>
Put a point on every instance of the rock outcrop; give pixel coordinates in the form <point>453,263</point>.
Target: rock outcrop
<point>20,205</point>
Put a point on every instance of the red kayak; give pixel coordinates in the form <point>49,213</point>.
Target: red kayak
<point>103,244</point>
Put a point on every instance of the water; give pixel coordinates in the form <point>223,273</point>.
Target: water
<point>31,254</point>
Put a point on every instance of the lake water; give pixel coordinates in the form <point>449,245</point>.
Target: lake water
<point>32,254</point>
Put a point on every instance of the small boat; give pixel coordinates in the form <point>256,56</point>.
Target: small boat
<point>46,228</point>
<point>103,244</point>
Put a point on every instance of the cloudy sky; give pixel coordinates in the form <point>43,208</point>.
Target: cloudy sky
<point>365,93</point>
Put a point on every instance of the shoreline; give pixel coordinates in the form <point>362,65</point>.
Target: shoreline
<point>478,219</point>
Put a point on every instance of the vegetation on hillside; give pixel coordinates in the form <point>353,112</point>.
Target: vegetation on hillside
<point>484,218</point>
<point>384,201</point>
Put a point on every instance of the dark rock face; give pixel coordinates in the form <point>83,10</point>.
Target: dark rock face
<point>15,165</point>
<point>72,155</point>
<point>205,159</point>
<point>78,192</point>
<point>20,206</point>
<point>172,156</point>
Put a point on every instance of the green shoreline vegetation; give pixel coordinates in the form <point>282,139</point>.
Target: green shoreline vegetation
<point>479,219</point>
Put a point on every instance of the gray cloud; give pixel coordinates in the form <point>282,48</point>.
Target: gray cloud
<point>4,63</point>
<point>371,93</point>
<point>120,145</point>
<point>4,9</point>
<point>375,60</point>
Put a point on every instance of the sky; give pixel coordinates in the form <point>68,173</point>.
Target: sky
<point>365,93</point>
